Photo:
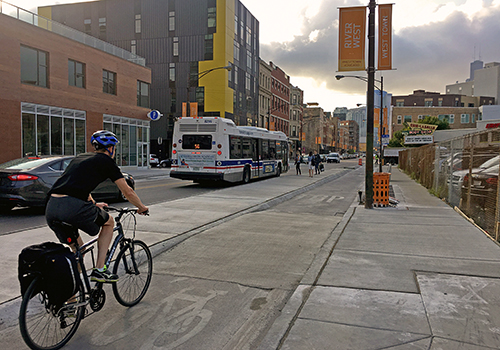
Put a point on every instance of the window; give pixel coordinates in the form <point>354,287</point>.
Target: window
<point>171,20</point>
<point>171,72</point>
<point>428,103</point>
<point>212,22</point>
<point>142,94</point>
<point>34,66</point>
<point>52,131</point>
<point>176,47</point>
<point>209,47</point>
<point>108,82</point>
<point>76,74</point>
<point>102,28</point>
<point>407,118</point>
<point>87,26</point>
<point>473,118</point>
<point>236,50</point>
<point>133,47</point>
<point>137,24</point>
<point>400,103</point>
<point>235,151</point>
<point>464,118</point>
<point>420,117</point>
<point>440,102</point>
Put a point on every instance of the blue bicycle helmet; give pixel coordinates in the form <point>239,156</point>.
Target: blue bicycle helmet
<point>104,138</point>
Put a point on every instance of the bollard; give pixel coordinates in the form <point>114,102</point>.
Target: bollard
<point>360,193</point>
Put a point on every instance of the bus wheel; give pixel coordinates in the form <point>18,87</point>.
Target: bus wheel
<point>278,171</point>
<point>246,175</point>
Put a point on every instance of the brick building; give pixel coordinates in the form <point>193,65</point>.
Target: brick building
<point>56,91</point>
<point>280,104</point>
<point>457,117</point>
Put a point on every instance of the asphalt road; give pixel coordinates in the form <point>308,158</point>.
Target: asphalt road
<point>151,191</point>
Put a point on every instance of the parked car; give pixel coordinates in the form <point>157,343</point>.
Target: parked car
<point>166,163</point>
<point>26,181</point>
<point>333,158</point>
<point>153,160</point>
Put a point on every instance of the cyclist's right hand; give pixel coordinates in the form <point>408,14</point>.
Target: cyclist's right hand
<point>143,211</point>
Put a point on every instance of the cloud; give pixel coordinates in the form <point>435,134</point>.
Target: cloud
<point>426,57</point>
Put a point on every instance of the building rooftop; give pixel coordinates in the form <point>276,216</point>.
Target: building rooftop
<point>70,33</point>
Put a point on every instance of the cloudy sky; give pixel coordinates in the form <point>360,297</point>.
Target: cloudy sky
<point>434,42</point>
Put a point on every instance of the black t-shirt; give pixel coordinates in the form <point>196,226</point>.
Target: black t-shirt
<point>85,172</point>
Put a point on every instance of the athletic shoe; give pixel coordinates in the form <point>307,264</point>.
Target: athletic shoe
<point>103,277</point>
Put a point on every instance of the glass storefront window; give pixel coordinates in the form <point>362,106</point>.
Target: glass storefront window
<point>80,136</point>
<point>42,135</point>
<point>29,136</point>
<point>56,135</point>
<point>69,136</point>
<point>125,145</point>
<point>133,145</point>
<point>117,131</point>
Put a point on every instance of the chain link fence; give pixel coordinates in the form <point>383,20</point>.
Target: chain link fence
<point>464,172</point>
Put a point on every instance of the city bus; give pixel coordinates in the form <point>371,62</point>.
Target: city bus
<point>214,148</point>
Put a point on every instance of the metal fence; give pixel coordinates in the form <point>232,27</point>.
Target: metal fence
<point>464,172</point>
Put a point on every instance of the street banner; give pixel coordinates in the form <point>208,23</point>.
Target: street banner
<point>318,140</point>
<point>193,109</point>
<point>352,34</point>
<point>376,118</point>
<point>385,37</point>
<point>184,109</point>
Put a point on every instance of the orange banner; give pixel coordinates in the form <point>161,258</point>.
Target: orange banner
<point>193,109</point>
<point>184,109</point>
<point>352,34</point>
<point>385,37</point>
<point>376,118</point>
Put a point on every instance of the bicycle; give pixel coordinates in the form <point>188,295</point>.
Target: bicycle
<point>43,327</point>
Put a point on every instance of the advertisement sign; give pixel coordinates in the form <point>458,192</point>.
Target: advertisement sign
<point>385,37</point>
<point>429,128</point>
<point>352,34</point>
<point>195,160</point>
<point>423,139</point>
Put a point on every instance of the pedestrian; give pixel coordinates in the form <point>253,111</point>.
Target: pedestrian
<point>297,164</point>
<point>310,162</point>
<point>317,162</point>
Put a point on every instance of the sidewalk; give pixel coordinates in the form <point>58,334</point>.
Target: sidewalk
<point>418,276</point>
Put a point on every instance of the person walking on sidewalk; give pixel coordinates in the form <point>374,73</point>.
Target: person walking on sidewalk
<point>310,162</point>
<point>297,164</point>
<point>70,200</point>
<point>317,162</point>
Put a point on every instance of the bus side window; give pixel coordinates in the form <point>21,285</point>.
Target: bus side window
<point>235,150</point>
<point>248,148</point>
<point>272,149</point>
<point>264,149</point>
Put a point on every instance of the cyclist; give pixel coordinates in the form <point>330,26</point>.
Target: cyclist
<point>70,200</point>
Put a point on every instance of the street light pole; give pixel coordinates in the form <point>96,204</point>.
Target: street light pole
<point>370,106</point>
<point>198,77</point>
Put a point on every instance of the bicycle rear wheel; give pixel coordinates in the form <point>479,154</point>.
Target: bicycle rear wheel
<point>42,327</point>
<point>134,266</point>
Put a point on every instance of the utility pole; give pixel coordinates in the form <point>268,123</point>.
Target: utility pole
<point>381,124</point>
<point>370,107</point>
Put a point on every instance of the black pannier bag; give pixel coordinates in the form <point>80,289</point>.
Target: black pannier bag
<point>56,265</point>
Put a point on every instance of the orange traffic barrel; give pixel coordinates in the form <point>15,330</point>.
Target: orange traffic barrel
<point>381,189</point>
<point>360,161</point>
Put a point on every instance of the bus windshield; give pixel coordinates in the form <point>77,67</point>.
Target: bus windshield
<point>197,142</point>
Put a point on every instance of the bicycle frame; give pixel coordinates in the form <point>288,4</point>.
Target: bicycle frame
<point>81,251</point>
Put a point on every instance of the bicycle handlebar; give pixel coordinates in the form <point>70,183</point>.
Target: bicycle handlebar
<point>124,210</point>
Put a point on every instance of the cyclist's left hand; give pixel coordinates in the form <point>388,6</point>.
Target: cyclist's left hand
<point>101,204</point>
<point>143,211</point>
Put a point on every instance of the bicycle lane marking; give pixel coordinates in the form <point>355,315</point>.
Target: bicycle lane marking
<point>176,324</point>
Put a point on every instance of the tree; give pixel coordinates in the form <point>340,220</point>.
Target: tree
<point>442,124</point>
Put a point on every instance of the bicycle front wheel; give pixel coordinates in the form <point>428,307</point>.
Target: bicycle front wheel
<point>134,266</point>
<point>41,326</point>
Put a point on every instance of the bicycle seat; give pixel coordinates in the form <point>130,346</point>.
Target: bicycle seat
<point>66,232</point>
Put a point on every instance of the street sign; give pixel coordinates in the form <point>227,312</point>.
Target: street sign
<point>385,140</point>
<point>154,115</point>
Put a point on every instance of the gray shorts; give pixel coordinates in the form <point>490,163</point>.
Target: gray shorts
<point>84,215</point>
